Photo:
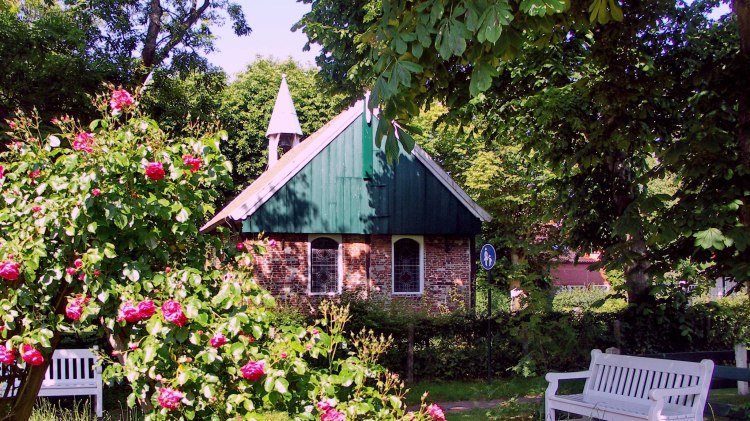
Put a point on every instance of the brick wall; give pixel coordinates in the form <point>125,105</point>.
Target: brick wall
<point>283,270</point>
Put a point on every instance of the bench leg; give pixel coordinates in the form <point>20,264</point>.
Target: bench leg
<point>549,413</point>
<point>99,406</point>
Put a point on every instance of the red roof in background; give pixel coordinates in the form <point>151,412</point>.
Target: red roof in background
<point>567,272</point>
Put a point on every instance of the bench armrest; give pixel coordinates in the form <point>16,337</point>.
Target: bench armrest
<point>659,394</point>
<point>554,378</point>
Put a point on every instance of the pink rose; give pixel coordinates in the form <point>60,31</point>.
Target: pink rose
<point>435,412</point>
<point>218,340</point>
<point>129,313</point>
<point>70,271</point>
<point>74,311</point>
<point>78,263</point>
<point>133,346</point>
<point>193,162</point>
<point>2,171</point>
<point>11,124</point>
<point>333,415</point>
<point>326,404</point>
<point>172,311</point>
<point>272,243</point>
<point>240,246</point>
<point>167,269</point>
<point>169,398</point>
<point>155,171</point>
<point>97,273</point>
<point>96,192</point>
<point>146,309</point>
<point>83,142</point>
<point>32,355</point>
<point>120,99</point>
<point>6,355</point>
<point>284,355</point>
<point>35,209</point>
<point>9,270</point>
<point>81,277</point>
<point>253,370</point>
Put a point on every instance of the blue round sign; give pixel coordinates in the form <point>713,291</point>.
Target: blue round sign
<point>487,256</point>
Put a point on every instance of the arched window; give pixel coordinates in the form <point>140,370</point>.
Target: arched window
<point>325,266</point>
<point>407,266</point>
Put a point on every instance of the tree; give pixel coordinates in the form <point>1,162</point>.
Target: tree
<point>99,225</point>
<point>596,98</point>
<point>44,64</point>
<point>246,110</point>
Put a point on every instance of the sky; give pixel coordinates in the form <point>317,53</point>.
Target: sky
<point>271,21</point>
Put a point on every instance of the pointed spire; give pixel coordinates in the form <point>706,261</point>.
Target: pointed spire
<point>284,116</point>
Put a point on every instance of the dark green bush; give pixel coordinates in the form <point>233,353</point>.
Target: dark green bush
<point>536,341</point>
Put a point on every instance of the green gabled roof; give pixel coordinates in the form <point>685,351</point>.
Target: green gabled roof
<point>336,181</point>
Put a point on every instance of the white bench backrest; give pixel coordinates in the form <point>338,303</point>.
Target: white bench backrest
<point>631,378</point>
<point>72,368</point>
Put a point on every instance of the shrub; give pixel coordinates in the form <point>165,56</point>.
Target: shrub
<point>99,226</point>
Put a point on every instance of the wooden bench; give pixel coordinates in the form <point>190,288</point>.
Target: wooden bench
<point>73,372</point>
<point>625,388</point>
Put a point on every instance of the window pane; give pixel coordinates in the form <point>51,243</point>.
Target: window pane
<point>324,261</point>
<point>406,266</point>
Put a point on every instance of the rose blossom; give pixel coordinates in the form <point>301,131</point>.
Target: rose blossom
<point>32,355</point>
<point>34,174</point>
<point>70,271</point>
<point>2,171</point>
<point>96,192</point>
<point>326,404</point>
<point>435,412</point>
<point>253,370</point>
<point>272,243</point>
<point>129,313</point>
<point>240,246</point>
<point>9,270</point>
<point>83,142</point>
<point>167,269</point>
<point>78,263</point>
<point>169,398</point>
<point>193,162</point>
<point>133,346</point>
<point>97,273</point>
<point>333,415</point>
<point>74,311</point>
<point>155,171</point>
<point>284,355</point>
<point>218,340</point>
<point>172,311</point>
<point>6,355</point>
<point>146,309</point>
<point>120,99</point>
<point>36,209</point>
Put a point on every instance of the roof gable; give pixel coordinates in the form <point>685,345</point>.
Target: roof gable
<point>318,187</point>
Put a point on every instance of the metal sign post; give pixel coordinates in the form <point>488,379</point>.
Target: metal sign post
<point>487,258</point>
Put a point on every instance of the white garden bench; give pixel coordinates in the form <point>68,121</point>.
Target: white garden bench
<point>626,388</point>
<point>73,372</point>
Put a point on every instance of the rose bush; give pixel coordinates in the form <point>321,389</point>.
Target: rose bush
<point>115,241</point>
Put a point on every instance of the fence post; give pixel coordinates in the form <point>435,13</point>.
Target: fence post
<point>410,357</point>
<point>740,357</point>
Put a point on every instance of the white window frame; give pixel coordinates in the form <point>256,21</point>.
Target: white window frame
<point>339,263</point>
<point>420,240</point>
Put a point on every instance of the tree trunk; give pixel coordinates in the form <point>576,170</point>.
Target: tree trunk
<point>741,9</point>
<point>23,403</point>
<point>636,277</point>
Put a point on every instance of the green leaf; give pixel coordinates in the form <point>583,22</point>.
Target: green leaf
<point>281,385</point>
<point>481,78</point>
<point>710,238</point>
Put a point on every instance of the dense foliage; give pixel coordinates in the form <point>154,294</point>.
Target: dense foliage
<point>99,226</point>
<point>539,340</point>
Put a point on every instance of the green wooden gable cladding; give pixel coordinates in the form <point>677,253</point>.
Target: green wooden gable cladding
<point>350,188</point>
